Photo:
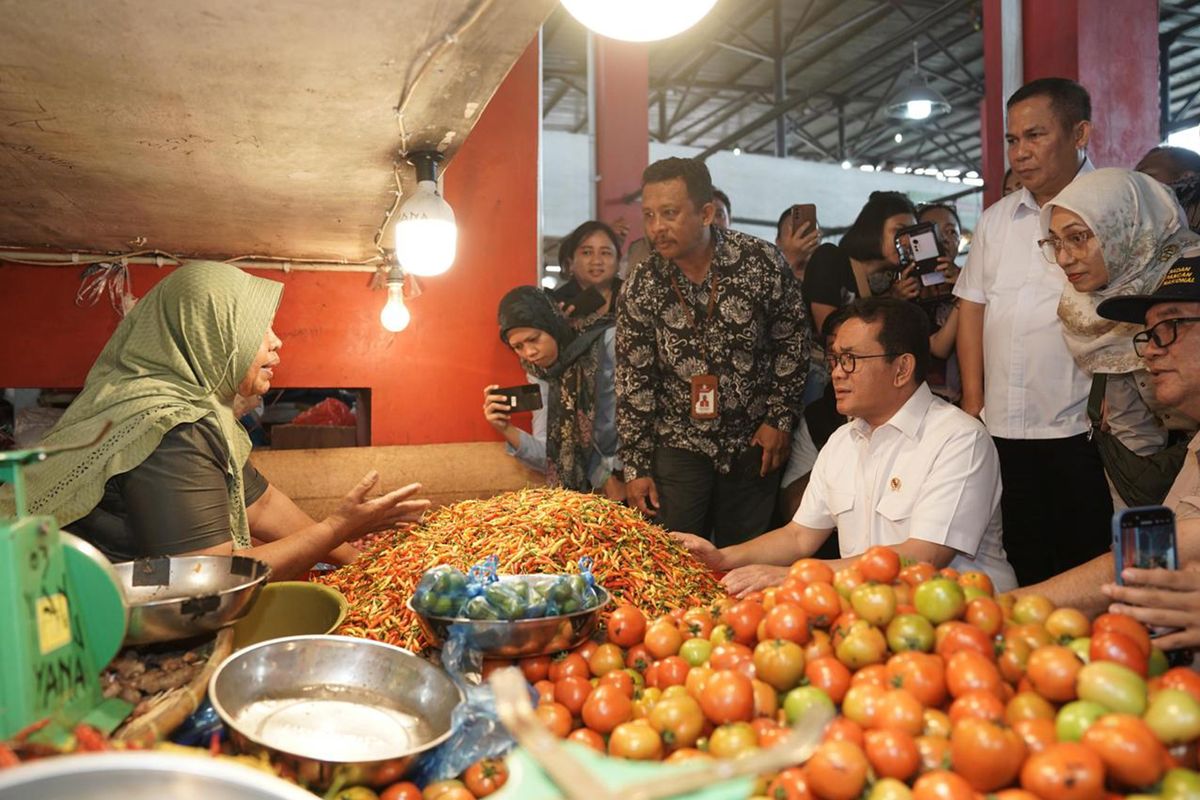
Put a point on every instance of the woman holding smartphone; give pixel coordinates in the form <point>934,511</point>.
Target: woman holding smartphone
<point>591,254</point>
<point>1116,232</point>
<point>574,434</point>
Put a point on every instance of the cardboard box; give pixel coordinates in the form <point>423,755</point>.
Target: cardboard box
<point>303,437</point>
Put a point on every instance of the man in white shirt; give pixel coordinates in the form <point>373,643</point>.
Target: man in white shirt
<point>1017,373</point>
<point>909,471</point>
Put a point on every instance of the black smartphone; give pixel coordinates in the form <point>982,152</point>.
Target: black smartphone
<point>804,213</point>
<point>586,302</point>
<point>1144,537</point>
<point>920,244</point>
<point>526,397</point>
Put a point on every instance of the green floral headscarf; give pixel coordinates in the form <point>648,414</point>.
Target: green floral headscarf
<point>177,357</point>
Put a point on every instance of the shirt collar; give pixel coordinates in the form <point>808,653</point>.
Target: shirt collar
<point>907,419</point>
<point>1028,205</point>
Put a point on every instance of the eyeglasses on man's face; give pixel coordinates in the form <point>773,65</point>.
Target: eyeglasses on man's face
<point>849,361</point>
<point>1075,243</point>
<point>1163,334</point>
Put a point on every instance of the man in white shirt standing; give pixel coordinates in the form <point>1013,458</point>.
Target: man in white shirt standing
<point>1017,373</point>
<point>910,471</point>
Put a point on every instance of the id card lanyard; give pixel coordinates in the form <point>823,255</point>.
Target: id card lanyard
<point>704,387</point>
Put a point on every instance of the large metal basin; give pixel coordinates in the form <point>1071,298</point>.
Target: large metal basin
<point>329,708</point>
<point>179,597</point>
<point>142,776</point>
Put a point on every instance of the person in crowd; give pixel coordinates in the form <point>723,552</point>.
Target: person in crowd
<point>722,209</point>
<point>1170,345</point>
<point>574,436</point>
<point>712,349</point>
<point>1012,183</point>
<point>797,246</point>
<point>591,255</point>
<point>910,471</point>
<point>173,474</point>
<point>1115,232</point>
<point>1017,373</point>
<point>940,305</point>
<point>1178,168</point>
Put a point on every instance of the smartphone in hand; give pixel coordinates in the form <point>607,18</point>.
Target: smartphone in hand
<point>526,397</point>
<point>586,302</point>
<point>1144,538</point>
<point>804,213</point>
<point>920,244</point>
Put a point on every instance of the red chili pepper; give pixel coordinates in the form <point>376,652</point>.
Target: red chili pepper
<point>7,757</point>
<point>90,740</point>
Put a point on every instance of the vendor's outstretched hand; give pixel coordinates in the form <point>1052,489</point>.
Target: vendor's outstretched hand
<point>642,494</point>
<point>704,550</point>
<point>1162,598</point>
<point>752,578</point>
<point>358,515</point>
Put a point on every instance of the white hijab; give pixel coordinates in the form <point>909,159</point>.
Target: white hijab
<point>1142,231</point>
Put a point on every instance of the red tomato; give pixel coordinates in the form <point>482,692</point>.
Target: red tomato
<point>953,636</point>
<point>554,716</point>
<point>921,674</point>
<point>1112,645</point>
<point>984,753</point>
<point>985,613</point>
<point>635,740</point>
<point>837,771</point>
<point>829,675</point>
<point>626,626</point>
<point>879,564</point>
<point>606,708</point>
<point>968,671</point>
<point>727,696</point>
<point>1131,753</point>
<point>811,570</point>
<point>787,621</point>
<point>638,657</point>
<point>977,704</point>
<point>621,679</point>
<point>485,777</point>
<point>535,668</point>
<point>791,784</point>
<point>663,639</point>
<point>1038,734</point>
<point>569,665</point>
<point>821,602</point>
<point>1064,771</point>
<point>1052,672</point>
<point>588,737</point>
<point>1182,678</point>
<point>1127,625</point>
<point>892,753</point>
<point>571,692</point>
<point>672,671</point>
<point>401,791</point>
<point>942,785</point>
<point>743,617</point>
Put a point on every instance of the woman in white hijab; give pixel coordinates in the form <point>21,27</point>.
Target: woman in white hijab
<point>1116,232</point>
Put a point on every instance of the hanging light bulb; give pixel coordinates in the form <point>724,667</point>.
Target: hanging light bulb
<point>395,316</point>
<point>638,20</point>
<point>426,235</point>
<point>917,101</point>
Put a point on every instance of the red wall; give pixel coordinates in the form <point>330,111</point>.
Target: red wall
<point>622,119</point>
<point>426,382</point>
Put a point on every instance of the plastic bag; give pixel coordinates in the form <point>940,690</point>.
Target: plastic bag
<point>442,591</point>
<point>568,594</point>
<point>477,730</point>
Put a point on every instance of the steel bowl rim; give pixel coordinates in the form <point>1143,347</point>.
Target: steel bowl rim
<point>508,622</point>
<point>227,719</point>
<point>133,604</point>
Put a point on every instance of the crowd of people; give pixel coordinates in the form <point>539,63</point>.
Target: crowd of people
<point>815,399</point>
<point>764,401</point>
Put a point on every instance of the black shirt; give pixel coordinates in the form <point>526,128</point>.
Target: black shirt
<point>829,279</point>
<point>175,501</point>
<point>756,343</point>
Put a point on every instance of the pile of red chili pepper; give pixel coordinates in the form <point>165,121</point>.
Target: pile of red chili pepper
<point>530,531</point>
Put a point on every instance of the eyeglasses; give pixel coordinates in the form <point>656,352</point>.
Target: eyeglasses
<point>1075,243</point>
<point>1163,334</point>
<point>849,361</point>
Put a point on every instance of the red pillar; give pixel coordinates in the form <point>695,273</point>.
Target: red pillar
<point>1114,54</point>
<point>991,110</point>
<point>622,124</point>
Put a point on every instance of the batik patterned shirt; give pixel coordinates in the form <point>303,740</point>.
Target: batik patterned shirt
<point>756,344</point>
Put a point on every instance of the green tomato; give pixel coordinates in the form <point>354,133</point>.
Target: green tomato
<point>910,632</point>
<point>862,646</point>
<point>1158,663</point>
<point>696,651</point>
<point>874,602</point>
<point>940,600</point>
<point>802,700</point>
<point>1112,685</point>
<point>1181,784</point>
<point>1076,717</point>
<point>972,592</point>
<point>1174,716</point>
<point>1082,647</point>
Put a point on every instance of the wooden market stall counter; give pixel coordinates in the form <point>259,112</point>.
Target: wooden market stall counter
<point>316,479</point>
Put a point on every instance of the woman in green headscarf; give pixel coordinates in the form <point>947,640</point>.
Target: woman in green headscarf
<point>173,474</point>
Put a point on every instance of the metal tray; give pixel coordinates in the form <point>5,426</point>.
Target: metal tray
<point>177,597</point>
<point>522,637</point>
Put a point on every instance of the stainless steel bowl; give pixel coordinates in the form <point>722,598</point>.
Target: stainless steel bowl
<point>329,708</point>
<point>142,776</point>
<point>177,597</point>
<point>522,637</point>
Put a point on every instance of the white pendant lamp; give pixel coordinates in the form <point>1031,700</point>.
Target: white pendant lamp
<point>638,20</point>
<point>426,234</point>
<point>917,101</point>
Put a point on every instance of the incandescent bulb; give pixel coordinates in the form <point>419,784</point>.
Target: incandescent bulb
<point>638,20</point>
<point>395,315</point>
<point>426,234</point>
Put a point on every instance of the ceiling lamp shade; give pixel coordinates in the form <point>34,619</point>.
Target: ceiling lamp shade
<point>916,101</point>
<point>426,234</point>
<point>638,20</point>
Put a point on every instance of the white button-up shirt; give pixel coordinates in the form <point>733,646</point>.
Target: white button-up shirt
<point>1032,388</point>
<point>930,472</point>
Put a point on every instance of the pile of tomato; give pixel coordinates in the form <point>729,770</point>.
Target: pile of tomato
<point>942,689</point>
